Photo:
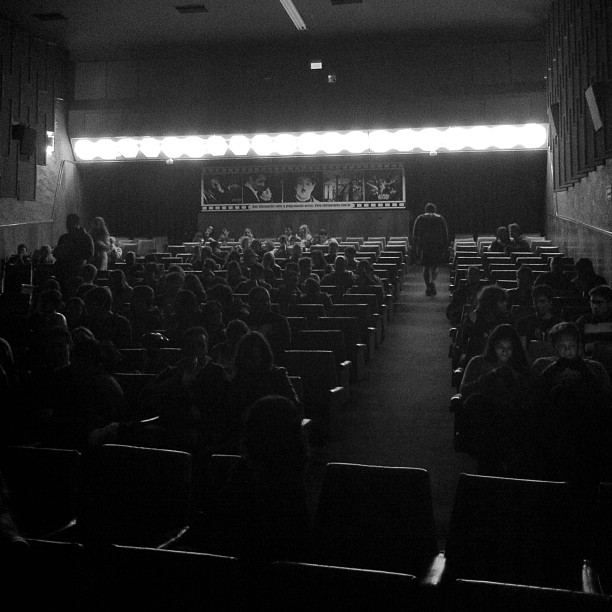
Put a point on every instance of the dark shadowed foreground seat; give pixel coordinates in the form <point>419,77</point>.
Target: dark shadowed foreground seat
<point>375,517</point>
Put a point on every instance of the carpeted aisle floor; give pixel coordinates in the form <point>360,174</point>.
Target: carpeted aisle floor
<point>400,415</point>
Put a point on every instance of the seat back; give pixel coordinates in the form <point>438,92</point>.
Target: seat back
<point>43,486</point>
<point>317,369</point>
<point>133,360</point>
<point>512,530</point>
<point>306,587</point>
<point>322,339</point>
<point>137,496</point>
<point>349,326</point>
<point>360,311</point>
<point>161,358</point>
<point>297,324</point>
<point>311,311</point>
<point>375,517</point>
<point>602,537</point>
<point>369,299</point>
<point>134,386</point>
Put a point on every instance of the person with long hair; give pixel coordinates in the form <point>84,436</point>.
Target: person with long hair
<point>102,244</point>
<point>496,392</point>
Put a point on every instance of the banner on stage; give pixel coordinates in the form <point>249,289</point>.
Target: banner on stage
<point>376,186</point>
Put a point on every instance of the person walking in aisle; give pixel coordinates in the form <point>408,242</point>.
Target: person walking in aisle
<point>430,237</point>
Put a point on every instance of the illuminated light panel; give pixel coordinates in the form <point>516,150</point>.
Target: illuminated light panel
<point>194,147</point>
<point>106,149</point>
<point>217,146</point>
<point>332,142</point>
<point>407,140</point>
<point>309,143</point>
<point>262,144</point>
<point>239,145</point>
<point>128,148</point>
<point>381,141</point>
<point>285,144</point>
<point>356,142</point>
<point>150,147</point>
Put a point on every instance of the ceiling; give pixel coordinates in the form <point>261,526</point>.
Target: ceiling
<point>109,29</point>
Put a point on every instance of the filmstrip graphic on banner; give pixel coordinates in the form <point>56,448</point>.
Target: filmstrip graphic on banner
<point>324,186</point>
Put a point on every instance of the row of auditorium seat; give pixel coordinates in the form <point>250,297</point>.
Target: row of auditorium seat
<point>369,518</point>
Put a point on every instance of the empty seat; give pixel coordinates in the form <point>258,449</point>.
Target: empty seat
<point>375,517</point>
<point>367,331</point>
<point>376,315</point>
<point>355,349</point>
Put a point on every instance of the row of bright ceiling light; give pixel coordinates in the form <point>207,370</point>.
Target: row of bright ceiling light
<point>428,140</point>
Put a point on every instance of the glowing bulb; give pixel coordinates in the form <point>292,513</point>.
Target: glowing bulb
<point>309,143</point>
<point>404,140</point>
<point>285,144</point>
<point>533,136</point>
<point>356,142</point>
<point>106,149</point>
<point>332,143</point>
<point>429,139</point>
<point>217,146</point>
<point>84,149</point>
<point>128,148</point>
<point>262,144</point>
<point>239,145</point>
<point>150,147</point>
<point>172,147</point>
<point>194,147</point>
<point>454,139</point>
<point>504,136</point>
<point>381,141</point>
<point>479,138</point>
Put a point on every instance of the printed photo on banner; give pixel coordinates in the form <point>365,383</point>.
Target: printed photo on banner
<point>222,189</point>
<point>303,187</point>
<point>343,186</point>
<point>261,187</point>
<point>383,185</point>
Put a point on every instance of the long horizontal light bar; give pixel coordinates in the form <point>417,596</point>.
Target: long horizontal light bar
<point>427,140</point>
<point>298,22</point>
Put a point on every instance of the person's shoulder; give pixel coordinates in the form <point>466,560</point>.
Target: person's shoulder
<point>541,363</point>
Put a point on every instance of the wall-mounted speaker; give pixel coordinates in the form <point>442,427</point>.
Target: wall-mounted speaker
<point>26,137</point>
<point>553,118</point>
<point>598,95</point>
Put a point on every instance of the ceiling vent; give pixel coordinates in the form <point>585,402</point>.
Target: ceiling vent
<point>189,9</point>
<point>339,2</point>
<point>49,16</point>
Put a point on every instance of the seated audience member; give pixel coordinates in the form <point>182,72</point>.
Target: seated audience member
<point>520,298</point>
<point>295,254</point>
<point>196,259</point>
<point>215,253</point>
<point>48,312</point>
<point>234,275</point>
<point>518,242</point>
<point>166,297</point>
<point>535,327</point>
<point>186,314</point>
<point>556,278</point>
<point>191,398</point>
<point>192,283</point>
<point>365,276</point>
<point>586,278</point>
<point>212,321</point>
<point>75,312</point>
<point>249,257</point>
<point>244,242</point>
<point>273,326</point>
<point>273,273</point>
<point>349,254</point>
<point>305,236</point>
<point>288,291</point>
<point>597,325</point>
<point>224,235</point>
<point>574,432</point>
<point>319,263</point>
<point>313,295</point>
<point>89,273</point>
<point>282,251</point>
<point>143,315</point>
<point>305,271</point>
<point>501,242</point>
<point>340,277</point>
<point>224,352</point>
<point>115,253</point>
<point>44,255</point>
<point>152,274</point>
<point>256,375</point>
<point>208,278</point>
<point>121,290</point>
<point>257,249</point>
<point>232,309</point>
<point>256,279</point>
<point>263,507</point>
<point>106,325</point>
<point>495,392</point>
<point>332,253</point>
<point>292,236</point>
<point>80,402</point>
<point>464,295</point>
<point>491,311</point>
<point>321,238</point>
<point>21,258</point>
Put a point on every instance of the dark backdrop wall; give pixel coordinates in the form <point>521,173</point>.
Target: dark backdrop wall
<point>476,192</point>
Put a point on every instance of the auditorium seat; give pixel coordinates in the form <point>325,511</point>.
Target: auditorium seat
<point>134,386</point>
<point>296,324</point>
<point>323,396</point>
<point>376,314</point>
<point>367,332</point>
<point>375,517</point>
<point>306,587</point>
<point>311,311</point>
<point>132,360</point>
<point>355,349</point>
<point>513,530</point>
<point>43,486</point>
<point>327,340</point>
<point>601,543</point>
<point>160,359</point>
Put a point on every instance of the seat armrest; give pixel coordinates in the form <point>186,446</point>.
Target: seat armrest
<point>435,572</point>
<point>590,579</point>
<point>452,332</point>
<point>456,378</point>
<point>456,402</point>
